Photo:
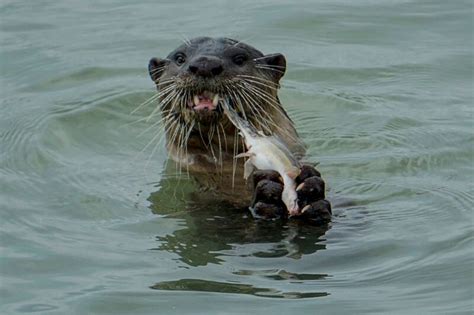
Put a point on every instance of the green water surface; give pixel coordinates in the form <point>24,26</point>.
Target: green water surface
<point>381,92</point>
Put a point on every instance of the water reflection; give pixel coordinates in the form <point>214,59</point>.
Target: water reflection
<point>216,233</point>
<point>235,288</point>
<point>213,230</point>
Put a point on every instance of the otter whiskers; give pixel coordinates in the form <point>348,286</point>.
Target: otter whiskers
<point>252,96</point>
<point>155,97</point>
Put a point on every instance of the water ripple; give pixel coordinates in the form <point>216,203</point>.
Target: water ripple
<point>200,285</point>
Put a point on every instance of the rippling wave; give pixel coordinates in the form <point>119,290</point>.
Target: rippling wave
<point>380,91</point>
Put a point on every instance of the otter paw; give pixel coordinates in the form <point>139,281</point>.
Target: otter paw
<point>318,212</point>
<point>259,175</point>
<point>267,188</point>
<point>266,201</point>
<point>267,211</point>
<point>310,190</point>
<point>311,196</point>
<point>307,171</point>
<point>267,191</point>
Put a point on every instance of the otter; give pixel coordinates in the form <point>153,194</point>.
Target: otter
<point>191,82</point>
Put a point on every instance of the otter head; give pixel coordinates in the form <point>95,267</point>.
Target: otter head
<point>194,78</point>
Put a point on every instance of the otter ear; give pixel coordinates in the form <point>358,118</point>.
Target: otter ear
<point>276,64</point>
<point>156,67</point>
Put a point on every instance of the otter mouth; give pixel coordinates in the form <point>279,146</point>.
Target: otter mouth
<point>204,101</point>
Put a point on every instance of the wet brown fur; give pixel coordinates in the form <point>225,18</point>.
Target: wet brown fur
<point>205,143</point>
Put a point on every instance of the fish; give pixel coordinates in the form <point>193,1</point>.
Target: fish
<point>267,153</point>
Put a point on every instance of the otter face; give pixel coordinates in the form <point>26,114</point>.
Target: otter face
<point>195,77</point>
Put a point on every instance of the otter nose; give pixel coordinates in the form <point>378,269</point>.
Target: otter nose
<point>206,66</point>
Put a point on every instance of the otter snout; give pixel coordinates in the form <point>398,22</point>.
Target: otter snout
<point>206,66</point>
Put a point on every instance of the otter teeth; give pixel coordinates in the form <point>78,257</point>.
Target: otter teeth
<point>206,96</point>
<point>196,100</point>
<point>215,99</point>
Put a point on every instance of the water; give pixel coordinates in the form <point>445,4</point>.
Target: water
<point>381,92</point>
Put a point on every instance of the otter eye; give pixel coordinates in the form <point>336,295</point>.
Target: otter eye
<point>180,59</point>
<point>239,59</point>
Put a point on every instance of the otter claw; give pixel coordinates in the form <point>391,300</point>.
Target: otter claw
<point>300,186</point>
<point>305,208</point>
